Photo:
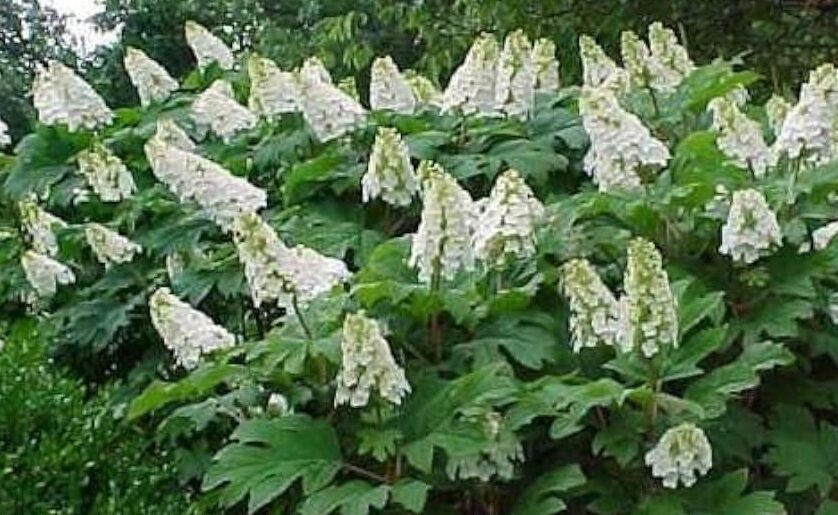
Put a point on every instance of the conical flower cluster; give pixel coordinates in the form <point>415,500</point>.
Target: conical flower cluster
<point>61,96</point>
<point>670,61</point>
<point>367,365</point>
<point>472,86</point>
<point>496,459</point>
<point>5,139</point>
<point>217,109</point>
<point>105,173</point>
<point>40,226</point>
<point>807,130</point>
<point>507,220</point>
<point>109,246</point>
<point>777,108</point>
<point>389,89</point>
<point>329,112</point>
<point>389,175</point>
<point>44,274</point>
<point>186,331</point>
<point>207,47</point>
<point>682,453</point>
<point>822,236</point>
<point>599,70</point>
<point>594,312</point>
<point>272,91</point>
<point>515,82</point>
<point>739,137</point>
<point>648,319</point>
<point>153,82</point>
<point>424,91</point>
<point>442,243</point>
<point>751,230</point>
<point>313,70</point>
<point>170,133</point>
<point>545,66</point>
<point>621,146</point>
<point>637,59</point>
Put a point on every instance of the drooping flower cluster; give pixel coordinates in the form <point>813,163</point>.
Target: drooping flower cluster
<point>109,246</point>
<point>471,89</point>
<point>329,112</point>
<point>515,86</point>
<point>621,146</point>
<point>594,312</point>
<point>777,108</point>
<point>272,91</point>
<point>40,226</point>
<point>5,139</point>
<point>671,62</point>
<point>217,109</point>
<point>389,173</point>
<point>424,91</point>
<point>498,457</point>
<point>153,82</point>
<point>680,454</point>
<point>822,236</point>
<point>389,89</point>
<point>648,319</point>
<point>545,66</point>
<point>61,96</point>
<point>442,243</point>
<point>106,173</point>
<point>739,137</point>
<point>367,365</point>
<point>186,331</point>
<point>751,229</point>
<point>44,274</point>
<point>507,220</point>
<point>207,47</point>
<point>599,70</point>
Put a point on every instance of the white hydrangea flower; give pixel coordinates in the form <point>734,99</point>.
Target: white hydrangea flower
<point>739,137</point>
<point>739,95</point>
<point>507,220</point>
<point>170,133</point>
<point>278,405</point>
<point>751,229</point>
<point>621,146</point>
<point>207,47</point>
<point>153,82</point>
<point>594,311</point>
<point>680,453</point>
<point>40,226</point>
<point>313,70</point>
<point>5,139</point>
<point>497,459</point>
<point>186,331</point>
<point>515,79</point>
<point>106,173</point>
<point>670,60</point>
<point>637,59</point>
<point>61,96</point>
<point>599,70</point>
<point>777,108</point>
<point>472,86</point>
<point>649,320</point>
<point>546,66</point>
<point>348,86</point>
<point>272,91</point>
<point>424,91</point>
<point>45,273</point>
<point>389,89</point>
<point>217,109</point>
<point>807,130</point>
<point>822,236</point>
<point>442,243</point>
<point>109,246</point>
<point>389,173</point>
<point>329,112</point>
<point>367,365</point>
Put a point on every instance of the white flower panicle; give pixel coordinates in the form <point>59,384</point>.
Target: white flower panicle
<point>599,70</point>
<point>822,236</point>
<point>649,320</point>
<point>40,226</point>
<point>777,108</point>
<point>545,66</point>
<point>272,91</point>
<point>507,220</point>
<point>367,365</point>
<point>751,230</point>
<point>389,175</point>
<point>424,91</point>
<point>681,453</point>
<point>313,70</point>
<point>348,86</point>
<point>5,139</point>
<point>389,89</point>
<point>186,331</point>
<point>472,86</point>
<point>153,82</point>
<point>621,146</point>
<point>207,47</point>
<point>739,137</point>
<point>217,109</point>
<point>594,311</point>
<point>739,95</point>
<point>442,243</point>
<point>671,62</point>
<point>329,112</point>
<point>109,246</point>
<point>808,128</point>
<point>637,59</point>
<point>106,174</point>
<point>61,96</point>
<point>44,274</point>
<point>170,133</point>
<point>515,79</point>
<point>496,459</point>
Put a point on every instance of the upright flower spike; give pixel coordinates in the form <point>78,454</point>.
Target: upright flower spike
<point>751,230</point>
<point>4,134</point>
<point>472,86</point>
<point>822,236</point>
<point>621,146</point>
<point>61,96</point>
<point>515,80</point>
<point>44,274</point>
<point>739,137</point>
<point>329,112</point>
<point>594,312</point>
<point>637,59</point>
<point>545,67</point>
<point>217,109</point>
<point>649,321</point>
<point>681,453</point>
<point>170,133</point>
<point>186,331</point>
<point>272,91</point>
<point>313,70</point>
<point>40,227</point>
<point>498,458</point>
<point>105,173</point>
<point>367,365</point>
<point>109,246</point>
<point>599,70</point>
<point>776,109</point>
<point>153,82</point>
<point>389,173</point>
<point>671,62</point>
<point>389,89</point>
<point>424,91</point>
<point>207,47</point>
<point>507,220</point>
<point>442,243</point>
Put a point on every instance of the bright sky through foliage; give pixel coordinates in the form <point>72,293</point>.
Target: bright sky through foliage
<point>80,23</point>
